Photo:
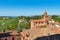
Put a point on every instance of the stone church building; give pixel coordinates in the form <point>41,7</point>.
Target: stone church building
<point>42,22</point>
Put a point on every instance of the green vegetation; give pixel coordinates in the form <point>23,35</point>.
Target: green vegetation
<point>11,23</point>
<point>56,18</point>
<point>42,26</point>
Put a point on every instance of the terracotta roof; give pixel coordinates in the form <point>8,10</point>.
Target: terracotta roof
<point>37,20</point>
<point>10,32</point>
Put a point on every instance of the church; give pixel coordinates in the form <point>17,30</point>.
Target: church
<point>42,22</point>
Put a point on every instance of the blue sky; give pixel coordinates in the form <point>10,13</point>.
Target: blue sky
<point>29,7</point>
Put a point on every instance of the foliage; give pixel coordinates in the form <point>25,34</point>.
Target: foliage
<point>12,22</point>
<point>42,26</point>
<point>56,18</point>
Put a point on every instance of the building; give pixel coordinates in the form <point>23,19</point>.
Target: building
<point>8,35</point>
<point>51,28</point>
<point>42,22</point>
<point>11,35</point>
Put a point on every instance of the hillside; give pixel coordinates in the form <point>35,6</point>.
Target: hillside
<point>11,23</point>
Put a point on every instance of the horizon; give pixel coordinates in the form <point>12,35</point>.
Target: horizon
<point>29,7</point>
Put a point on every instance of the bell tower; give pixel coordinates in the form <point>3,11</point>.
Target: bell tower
<point>45,17</point>
<point>45,13</point>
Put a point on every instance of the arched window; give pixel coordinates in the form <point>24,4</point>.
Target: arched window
<point>13,38</point>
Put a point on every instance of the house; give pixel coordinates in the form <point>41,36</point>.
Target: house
<point>8,36</point>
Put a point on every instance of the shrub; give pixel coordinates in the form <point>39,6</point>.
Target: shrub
<point>42,26</point>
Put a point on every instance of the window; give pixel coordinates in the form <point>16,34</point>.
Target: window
<point>5,39</point>
<point>42,22</point>
<point>13,38</point>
